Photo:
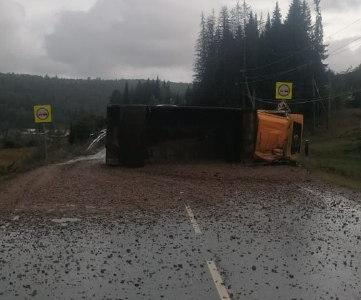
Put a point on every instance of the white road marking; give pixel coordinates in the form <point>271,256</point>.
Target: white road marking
<point>218,281</point>
<point>194,223</point>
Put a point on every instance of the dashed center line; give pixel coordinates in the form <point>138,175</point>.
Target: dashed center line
<point>194,223</point>
<point>218,281</point>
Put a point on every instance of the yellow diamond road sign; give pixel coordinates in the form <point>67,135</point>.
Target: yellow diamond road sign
<point>42,114</point>
<point>284,90</point>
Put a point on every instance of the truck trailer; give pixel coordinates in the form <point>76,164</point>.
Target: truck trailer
<point>138,134</point>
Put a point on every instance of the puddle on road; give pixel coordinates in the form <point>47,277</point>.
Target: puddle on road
<point>98,156</point>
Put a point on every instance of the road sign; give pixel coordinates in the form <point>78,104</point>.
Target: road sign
<point>42,114</point>
<point>284,90</point>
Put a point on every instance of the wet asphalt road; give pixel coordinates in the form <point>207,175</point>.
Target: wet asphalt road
<point>265,244</point>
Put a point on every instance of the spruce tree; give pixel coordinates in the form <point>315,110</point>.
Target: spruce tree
<point>201,53</point>
<point>318,42</point>
<point>225,70</point>
<point>319,48</point>
<point>236,49</point>
<point>126,99</point>
<point>116,97</point>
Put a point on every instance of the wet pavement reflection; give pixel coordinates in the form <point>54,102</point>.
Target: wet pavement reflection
<point>265,246</point>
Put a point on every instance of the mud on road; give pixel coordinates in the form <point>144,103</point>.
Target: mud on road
<point>187,231</point>
<point>90,186</point>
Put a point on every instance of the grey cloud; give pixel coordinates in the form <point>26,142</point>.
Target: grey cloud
<point>11,15</point>
<point>342,57</point>
<point>122,38</point>
<point>340,5</point>
<point>127,33</point>
<point>20,51</point>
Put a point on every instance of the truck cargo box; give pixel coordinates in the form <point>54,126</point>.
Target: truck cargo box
<point>137,134</point>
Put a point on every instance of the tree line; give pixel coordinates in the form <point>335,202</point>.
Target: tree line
<point>240,55</point>
<point>150,92</point>
<point>346,89</point>
<point>71,99</point>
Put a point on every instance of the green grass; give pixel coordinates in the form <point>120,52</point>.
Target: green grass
<point>335,155</point>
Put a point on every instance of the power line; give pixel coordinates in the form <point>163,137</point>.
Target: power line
<point>271,76</point>
<point>344,28</point>
<point>335,52</point>
<point>301,50</point>
<point>271,101</point>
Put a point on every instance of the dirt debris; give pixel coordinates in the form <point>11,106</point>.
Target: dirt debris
<point>92,187</point>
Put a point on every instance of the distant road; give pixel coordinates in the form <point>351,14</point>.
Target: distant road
<point>177,231</point>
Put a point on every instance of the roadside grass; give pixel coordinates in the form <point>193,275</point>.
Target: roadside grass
<point>337,160</point>
<point>12,159</point>
<point>335,155</point>
<point>18,160</point>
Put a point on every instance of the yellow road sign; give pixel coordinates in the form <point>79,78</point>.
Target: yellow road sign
<point>42,114</point>
<point>284,90</point>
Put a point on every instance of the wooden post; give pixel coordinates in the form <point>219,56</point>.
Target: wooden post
<point>329,105</point>
<point>45,144</point>
<point>314,104</point>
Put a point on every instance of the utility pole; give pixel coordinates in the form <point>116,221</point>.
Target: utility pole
<point>244,58</point>
<point>329,104</point>
<point>251,99</point>
<point>313,103</point>
<point>45,143</point>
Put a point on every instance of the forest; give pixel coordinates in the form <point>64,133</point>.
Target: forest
<point>241,55</point>
<point>74,98</point>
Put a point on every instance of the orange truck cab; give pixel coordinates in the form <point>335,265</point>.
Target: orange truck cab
<point>279,136</point>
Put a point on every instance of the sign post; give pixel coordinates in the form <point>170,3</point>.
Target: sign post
<point>284,91</point>
<point>43,115</point>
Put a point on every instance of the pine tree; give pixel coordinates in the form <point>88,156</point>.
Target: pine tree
<point>319,48</point>
<point>265,56</point>
<point>126,99</point>
<point>318,42</point>
<point>267,26</point>
<point>116,97</point>
<point>188,96</point>
<point>299,49</point>
<point>236,18</point>
<point>277,17</point>
<point>201,53</point>
<point>238,49</point>
<point>157,90</point>
<point>252,43</point>
<point>225,72</point>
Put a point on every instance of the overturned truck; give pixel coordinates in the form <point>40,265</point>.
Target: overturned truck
<point>140,134</point>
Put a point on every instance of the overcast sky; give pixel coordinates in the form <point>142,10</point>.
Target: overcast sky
<point>134,38</point>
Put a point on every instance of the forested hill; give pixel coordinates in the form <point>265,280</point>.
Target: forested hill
<point>240,55</point>
<point>69,97</point>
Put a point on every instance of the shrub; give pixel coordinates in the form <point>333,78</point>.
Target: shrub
<point>11,144</point>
